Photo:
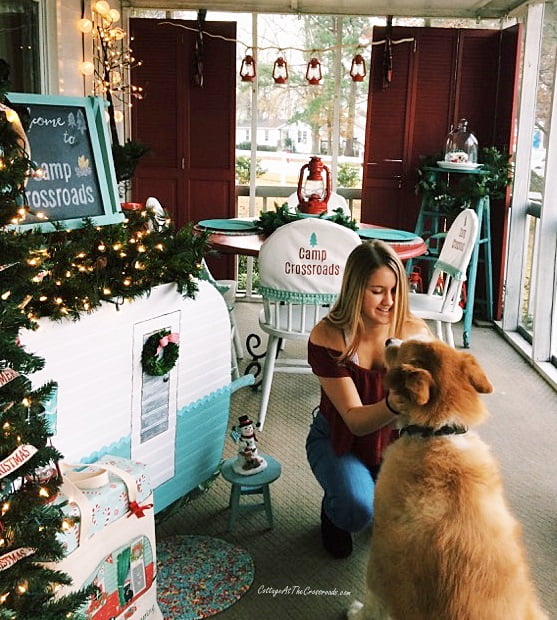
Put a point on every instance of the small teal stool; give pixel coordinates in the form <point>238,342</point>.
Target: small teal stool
<point>256,484</point>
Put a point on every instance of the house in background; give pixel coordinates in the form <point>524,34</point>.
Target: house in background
<point>276,135</point>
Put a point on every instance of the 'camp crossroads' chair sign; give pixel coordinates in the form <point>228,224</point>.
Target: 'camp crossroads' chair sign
<point>300,269</point>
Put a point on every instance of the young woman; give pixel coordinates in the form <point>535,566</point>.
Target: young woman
<point>353,424</point>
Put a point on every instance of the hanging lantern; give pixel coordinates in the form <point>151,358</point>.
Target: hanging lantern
<point>280,71</point>
<point>247,70</point>
<point>314,191</point>
<point>358,68</point>
<point>313,72</point>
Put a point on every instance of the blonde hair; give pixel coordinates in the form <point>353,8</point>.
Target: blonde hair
<point>346,314</point>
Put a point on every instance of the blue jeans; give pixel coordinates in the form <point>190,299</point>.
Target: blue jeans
<point>348,484</point>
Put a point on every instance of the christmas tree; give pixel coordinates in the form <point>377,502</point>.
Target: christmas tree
<point>60,275</point>
<point>31,518</point>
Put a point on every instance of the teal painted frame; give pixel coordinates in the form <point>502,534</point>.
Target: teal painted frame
<point>94,108</point>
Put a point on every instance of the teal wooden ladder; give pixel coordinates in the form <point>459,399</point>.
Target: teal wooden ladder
<point>432,223</point>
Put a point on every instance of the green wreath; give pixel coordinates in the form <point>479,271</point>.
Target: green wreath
<point>154,364</point>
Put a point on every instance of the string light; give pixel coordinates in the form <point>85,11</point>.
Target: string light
<point>85,25</point>
<point>22,587</point>
<point>111,59</point>
<point>357,46</point>
<point>280,71</point>
<point>87,68</point>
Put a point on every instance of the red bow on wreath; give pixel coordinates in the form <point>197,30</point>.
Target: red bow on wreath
<point>173,338</point>
<point>137,510</point>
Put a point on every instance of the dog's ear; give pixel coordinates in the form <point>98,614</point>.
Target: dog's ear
<point>417,383</point>
<point>475,374</point>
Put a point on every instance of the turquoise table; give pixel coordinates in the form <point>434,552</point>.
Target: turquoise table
<point>247,242</point>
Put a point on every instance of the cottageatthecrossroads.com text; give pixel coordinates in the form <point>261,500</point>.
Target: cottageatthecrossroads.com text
<point>300,591</point>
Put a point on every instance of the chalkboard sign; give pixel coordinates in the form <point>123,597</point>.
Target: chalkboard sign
<point>69,140</point>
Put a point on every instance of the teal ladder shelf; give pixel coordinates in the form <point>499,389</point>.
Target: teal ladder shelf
<point>436,222</point>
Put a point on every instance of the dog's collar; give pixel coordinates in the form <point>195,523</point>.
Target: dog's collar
<point>427,431</point>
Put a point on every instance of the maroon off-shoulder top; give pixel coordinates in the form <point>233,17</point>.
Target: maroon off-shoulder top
<point>369,383</point>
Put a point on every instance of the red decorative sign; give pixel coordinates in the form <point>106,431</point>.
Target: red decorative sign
<point>9,559</point>
<point>6,375</point>
<point>19,456</point>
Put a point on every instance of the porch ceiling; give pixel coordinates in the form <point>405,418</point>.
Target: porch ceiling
<point>397,8</point>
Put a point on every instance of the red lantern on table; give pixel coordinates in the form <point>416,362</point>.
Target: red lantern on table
<point>314,191</point>
<point>280,71</point>
<point>358,68</point>
<point>247,69</point>
<point>313,72</point>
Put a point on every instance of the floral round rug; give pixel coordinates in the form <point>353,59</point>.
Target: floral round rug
<point>200,576</point>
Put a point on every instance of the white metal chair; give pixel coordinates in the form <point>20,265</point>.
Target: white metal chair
<point>336,201</point>
<point>300,270</point>
<point>442,301</point>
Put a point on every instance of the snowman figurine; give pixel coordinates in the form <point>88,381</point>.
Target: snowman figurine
<point>248,461</point>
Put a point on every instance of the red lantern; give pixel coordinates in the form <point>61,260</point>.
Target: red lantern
<point>247,70</point>
<point>313,72</point>
<point>314,191</point>
<point>280,71</point>
<point>358,68</point>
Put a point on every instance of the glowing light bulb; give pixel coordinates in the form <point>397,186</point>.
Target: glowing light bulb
<point>11,115</point>
<point>87,68</point>
<point>114,15</point>
<point>85,25</point>
<point>22,587</point>
<point>101,7</point>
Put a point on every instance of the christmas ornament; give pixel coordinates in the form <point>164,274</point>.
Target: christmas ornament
<point>248,461</point>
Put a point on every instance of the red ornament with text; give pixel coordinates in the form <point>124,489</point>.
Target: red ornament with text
<point>314,191</point>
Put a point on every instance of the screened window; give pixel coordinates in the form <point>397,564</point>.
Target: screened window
<point>20,43</point>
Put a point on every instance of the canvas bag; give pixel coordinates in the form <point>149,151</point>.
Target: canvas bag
<point>121,557</point>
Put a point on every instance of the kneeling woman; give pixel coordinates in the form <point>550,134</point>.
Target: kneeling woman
<point>353,424</point>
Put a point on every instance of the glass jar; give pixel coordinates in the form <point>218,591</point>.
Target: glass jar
<point>461,146</point>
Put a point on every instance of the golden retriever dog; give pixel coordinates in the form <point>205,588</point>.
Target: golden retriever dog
<point>444,545</point>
